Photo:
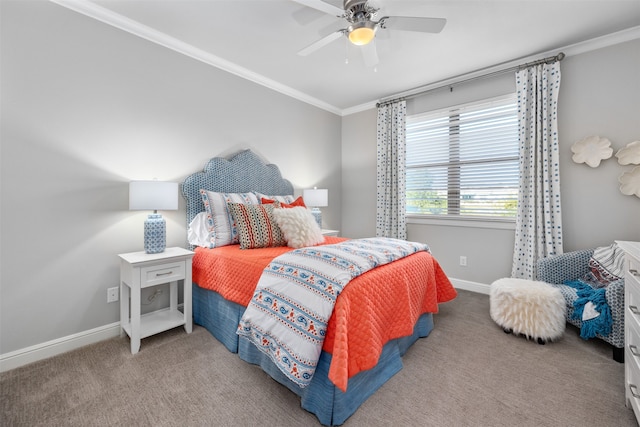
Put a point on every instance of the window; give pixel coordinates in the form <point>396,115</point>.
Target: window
<point>462,162</point>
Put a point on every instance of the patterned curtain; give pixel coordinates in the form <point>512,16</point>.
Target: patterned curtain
<point>539,219</point>
<point>390,205</point>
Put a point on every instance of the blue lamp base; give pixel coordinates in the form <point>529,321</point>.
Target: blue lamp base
<point>317,215</point>
<point>155,235</point>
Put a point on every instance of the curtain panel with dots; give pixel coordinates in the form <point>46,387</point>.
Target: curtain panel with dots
<point>391,171</point>
<point>539,220</point>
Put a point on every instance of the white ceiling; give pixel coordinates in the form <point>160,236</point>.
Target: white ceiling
<point>259,39</point>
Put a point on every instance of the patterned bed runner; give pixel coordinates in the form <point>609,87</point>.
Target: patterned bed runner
<point>288,315</point>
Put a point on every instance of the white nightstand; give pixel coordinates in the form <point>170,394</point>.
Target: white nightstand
<point>326,232</point>
<point>141,270</point>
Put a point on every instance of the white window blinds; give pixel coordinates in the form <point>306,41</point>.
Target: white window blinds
<point>463,161</point>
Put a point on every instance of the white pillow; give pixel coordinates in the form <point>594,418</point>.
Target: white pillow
<point>198,232</point>
<point>222,228</point>
<point>299,227</point>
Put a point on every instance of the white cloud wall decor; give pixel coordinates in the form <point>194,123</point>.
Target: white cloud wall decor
<point>629,155</point>
<point>630,182</point>
<point>591,150</point>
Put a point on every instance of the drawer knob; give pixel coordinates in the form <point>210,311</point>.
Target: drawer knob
<point>634,390</point>
<point>633,272</point>
<point>634,350</point>
<point>164,274</point>
<point>634,309</point>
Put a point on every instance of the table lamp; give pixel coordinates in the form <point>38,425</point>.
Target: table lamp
<point>316,198</point>
<point>154,195</point>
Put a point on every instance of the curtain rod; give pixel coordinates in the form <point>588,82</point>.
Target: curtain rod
<point>549,60</point>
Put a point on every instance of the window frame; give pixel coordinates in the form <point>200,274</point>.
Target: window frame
<point>456,219</point>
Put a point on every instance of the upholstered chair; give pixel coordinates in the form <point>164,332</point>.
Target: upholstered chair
<point>571,266</point>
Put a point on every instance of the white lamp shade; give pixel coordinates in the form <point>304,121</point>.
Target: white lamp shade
<point>316,198</point>
<point>153,195</point>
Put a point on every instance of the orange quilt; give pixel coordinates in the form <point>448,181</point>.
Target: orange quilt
<point>365,317</point>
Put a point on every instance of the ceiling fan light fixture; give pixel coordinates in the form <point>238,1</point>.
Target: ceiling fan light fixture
<point>362,33</point>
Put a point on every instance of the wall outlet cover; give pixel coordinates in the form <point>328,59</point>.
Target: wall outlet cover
<point>112,294</point>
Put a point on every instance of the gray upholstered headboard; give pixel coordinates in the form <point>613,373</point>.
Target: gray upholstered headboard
<point>240,173</point>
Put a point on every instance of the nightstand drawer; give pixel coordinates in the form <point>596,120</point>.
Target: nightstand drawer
<point>158,274</point>
<point>632,387</point>
<point>632,342</point>
<point>632,297</point>
<point>632,275</point>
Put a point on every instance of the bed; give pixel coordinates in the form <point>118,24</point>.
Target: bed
<point>368,332</point>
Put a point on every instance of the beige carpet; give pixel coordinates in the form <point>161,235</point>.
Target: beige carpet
<point>466,373</point>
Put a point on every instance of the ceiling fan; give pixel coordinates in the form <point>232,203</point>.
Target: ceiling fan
<point>363,24</point>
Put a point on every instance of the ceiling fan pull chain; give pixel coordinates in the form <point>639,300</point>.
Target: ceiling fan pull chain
<point>346,51</point>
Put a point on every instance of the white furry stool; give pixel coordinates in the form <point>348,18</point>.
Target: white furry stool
<point>535,309</point>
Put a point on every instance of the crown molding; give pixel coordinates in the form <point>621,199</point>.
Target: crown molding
<point>607,40</point>
<point>359,108</point>
<point>106,16</point>
<point>123,23</point>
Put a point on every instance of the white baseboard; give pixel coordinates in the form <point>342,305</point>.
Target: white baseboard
<point>466,285</point>
<point>51,348</point>
<point>24,356</point>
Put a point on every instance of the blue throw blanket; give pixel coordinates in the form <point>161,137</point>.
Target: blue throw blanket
<point>592,309</point>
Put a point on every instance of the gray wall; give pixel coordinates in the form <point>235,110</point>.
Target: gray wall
<point>359,174</point>
<point>85,109</point>
<point>599,94</point>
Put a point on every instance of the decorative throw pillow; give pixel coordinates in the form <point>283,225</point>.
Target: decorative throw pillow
<point>256,226</point>
<point>299,227</point>
<point>222,229</point>
<point>297,202</point>
<point>281,199</point>
<point>606,265</point>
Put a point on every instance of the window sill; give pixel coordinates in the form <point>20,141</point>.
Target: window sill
<point>498,224</point>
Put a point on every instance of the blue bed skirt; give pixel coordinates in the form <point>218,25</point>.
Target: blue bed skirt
<point>332,407</point>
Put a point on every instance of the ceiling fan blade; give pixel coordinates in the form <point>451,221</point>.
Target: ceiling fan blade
<point>322,7</point>
<point>306,15</point>
<point>321,43</point>
<point>408,23</point>
<point>370,54</point>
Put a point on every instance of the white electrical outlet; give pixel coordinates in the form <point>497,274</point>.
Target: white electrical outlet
<point>463,260</point>
<point>112,294</point>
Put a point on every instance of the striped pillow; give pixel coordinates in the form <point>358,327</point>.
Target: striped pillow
<point>606,265</point>
<point>222,229</point>
<point>256,226</point>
